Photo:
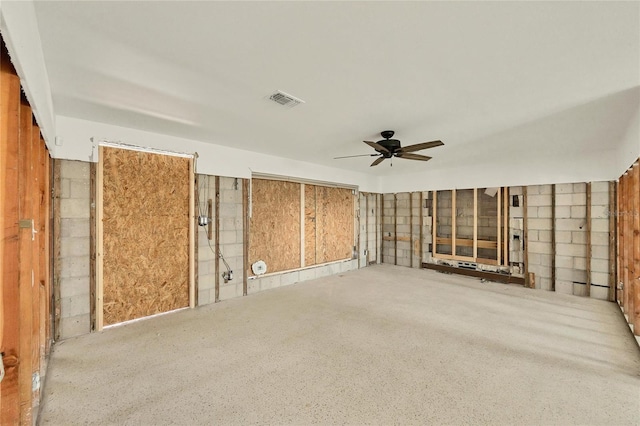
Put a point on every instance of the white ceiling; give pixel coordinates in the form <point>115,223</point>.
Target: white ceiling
<point>498,80</point>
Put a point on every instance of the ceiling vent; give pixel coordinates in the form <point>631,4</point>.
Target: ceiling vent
<point>285,99</point>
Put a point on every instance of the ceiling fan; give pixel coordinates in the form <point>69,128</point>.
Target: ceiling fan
<point>389,148</point>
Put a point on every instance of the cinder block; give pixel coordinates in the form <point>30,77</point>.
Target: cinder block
<point>70,247</point>
<point>599,225</point>
<point>533,190</point>
<point>601,293</point>
<point>532,212</point>
<point>75,227</point>
<point>267,282</point>
<point>74,208</point>
<point>564,200</point>
<point>307,274</point>
<point>204,297</point>
<point>229,210</point>
<point>573,250</point>
<point>600,238</point>
<point>544,211</point>
<point>515,211</point>
<point>579,289</point>
<point>569,224</point>
<point>563,212</point>
<point>544,236</point>
<point>74,169</point>
<point>563,237</point>
<point>79,188</point>
<point>564,287</point>
<point>74,306</point>
<point>543,283</point>
<point>515,190</point>
<point>579,237</point>
<point>578,212</point>
<point>546,259</point>
<point>600,265</point>
<point>71,267</point>
<point>65,188</point>
<point>206,281</point>
<point>534,236</point>
<point>540,271</point>
<point>579,187</point>
<point>72,287</point>
<point>579,263</point>
<point>579,199</point>
<point>538,200</point>
<point>564,188</point>
<point>544,189</point>
<point>74,326</point>
<point>228,237</point>
<point>564,262</point>
<point>600,278</point>
<point>599,198</point>
<point>539,224</point>
<point>230,291</point>
<point>601,212</point>
<point>289,278</point>
<point>600,252</point>
<point>600,186</point>
<point>539,247</point>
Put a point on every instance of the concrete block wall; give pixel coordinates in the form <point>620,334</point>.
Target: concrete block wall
<point>74,261</point>
<point>388,228</point>
<point>231,235</point>
<point>270,281</point>
<point>402,214</point>
<point>600,216</point>
<point>539,218</point>
<point>516,231</point>
<point>369,218</point>
<point>571,238</point>
<point>570,230</point>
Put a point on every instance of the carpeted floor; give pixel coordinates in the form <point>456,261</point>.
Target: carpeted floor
<point>381,345</point>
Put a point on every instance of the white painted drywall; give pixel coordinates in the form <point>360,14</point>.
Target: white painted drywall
<point>76,137</point>
<point>19,28</point>
<point>629,150</point>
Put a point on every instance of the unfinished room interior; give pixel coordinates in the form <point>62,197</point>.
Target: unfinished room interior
<point>319,212</point>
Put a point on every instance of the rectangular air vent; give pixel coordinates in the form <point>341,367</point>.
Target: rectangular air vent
<point>285,99</point>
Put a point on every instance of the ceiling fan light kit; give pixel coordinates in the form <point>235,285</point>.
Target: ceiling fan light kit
<point>389,148</point>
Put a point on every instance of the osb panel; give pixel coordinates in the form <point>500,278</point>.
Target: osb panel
<point>146,234</point>
<point>275,224</point>
<point>334,224</point>
<point>310,225</point>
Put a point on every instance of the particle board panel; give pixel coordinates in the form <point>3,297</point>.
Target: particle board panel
<point>146,203</point>
<point>275,224</point>
<point>334,224</point>
<point>310,225</point>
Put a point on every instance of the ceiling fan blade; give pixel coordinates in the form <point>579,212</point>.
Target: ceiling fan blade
<point>420,146</point>
<point>351,156</point>
<point>377,147</point>
<point>413,157</point>
<point>378,161</point>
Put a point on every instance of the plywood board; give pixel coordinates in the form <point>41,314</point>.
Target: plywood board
<point>275,224</point>
<point>310,225</point>
<point>146,241</point>
<point>335,224</point>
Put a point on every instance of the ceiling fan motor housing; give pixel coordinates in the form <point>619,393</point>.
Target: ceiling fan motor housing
<point>391,144</point>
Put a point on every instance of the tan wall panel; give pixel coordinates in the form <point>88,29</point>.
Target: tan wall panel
<point>146,234</point>
<point>310,225</point>
<point>334,224</point>
<point>275,224</point>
